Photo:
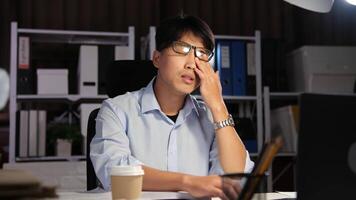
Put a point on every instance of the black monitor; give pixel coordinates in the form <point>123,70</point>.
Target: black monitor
<point>326,161</point>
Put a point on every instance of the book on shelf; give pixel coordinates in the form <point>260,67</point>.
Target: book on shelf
<point>88,70</point>
<point>251,65</point>
<point>32,128</point>
<point>285,122</point>
<point>25,79</point>
<point>231,61</point>
<point>42,127</point>
<point>33,135</point>
<point>223,65</point>
<point>239,73</point>
<point>23,128</point>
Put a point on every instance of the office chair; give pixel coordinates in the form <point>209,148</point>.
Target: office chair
<point>121,76</point>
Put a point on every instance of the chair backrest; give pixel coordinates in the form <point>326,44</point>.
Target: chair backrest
<point>121,76</point>
<point>128,75</point>
<point>92,181</point>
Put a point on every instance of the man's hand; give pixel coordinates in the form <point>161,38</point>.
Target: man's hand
<point>210,86</point>
<point>211,186</point>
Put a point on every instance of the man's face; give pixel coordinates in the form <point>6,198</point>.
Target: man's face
<point>176,71</point>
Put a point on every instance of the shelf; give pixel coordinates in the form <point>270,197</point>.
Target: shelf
<point>286,154</point>
<point>235,37</point>
<point>59,97</point>
<point>52,158</point>
<point>45,38</point>
<point>284,95</point>
<point>254,154</point>
<point>77,37</point>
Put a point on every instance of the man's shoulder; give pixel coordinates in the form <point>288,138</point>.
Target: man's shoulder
<point>125,99</point>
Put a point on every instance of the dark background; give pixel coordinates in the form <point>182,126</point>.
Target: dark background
<point>277,20</point>
<point>283,27</point>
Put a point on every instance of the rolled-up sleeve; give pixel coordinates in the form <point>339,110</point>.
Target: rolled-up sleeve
<point>248,164</point>
<point>214,162</point>
<point>110,145</point>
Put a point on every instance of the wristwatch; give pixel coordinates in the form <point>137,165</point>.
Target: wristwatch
<point>227,122</point>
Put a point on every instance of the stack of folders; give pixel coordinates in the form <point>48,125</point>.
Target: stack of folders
<point>32,133</point>
<point>285,122</point>
<point>19,184</point>
<point>235,62</point>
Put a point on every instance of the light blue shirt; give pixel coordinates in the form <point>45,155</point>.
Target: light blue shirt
<point>131,129</point>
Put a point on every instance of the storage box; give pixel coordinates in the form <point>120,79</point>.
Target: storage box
<point>285,122</point>
<point>322,69</point>
<point>88,70</point>
<point>52,81</point>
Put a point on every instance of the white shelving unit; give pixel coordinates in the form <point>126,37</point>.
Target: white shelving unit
<point>55,36</point>
<point>267,98</point>
<point>256,39</point>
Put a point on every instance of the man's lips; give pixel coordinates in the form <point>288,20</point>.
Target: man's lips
<point>187,78</point>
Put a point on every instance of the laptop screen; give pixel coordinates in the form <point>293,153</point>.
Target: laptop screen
<point>326,161</point>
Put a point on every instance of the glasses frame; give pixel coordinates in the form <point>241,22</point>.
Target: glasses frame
<point>195,50</point>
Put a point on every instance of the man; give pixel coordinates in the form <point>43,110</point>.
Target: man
<point>181,143</point>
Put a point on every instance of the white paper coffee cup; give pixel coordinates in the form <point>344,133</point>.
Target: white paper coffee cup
<point>126,182</point>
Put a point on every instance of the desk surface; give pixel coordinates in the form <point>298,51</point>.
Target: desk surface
<point>160,195</point>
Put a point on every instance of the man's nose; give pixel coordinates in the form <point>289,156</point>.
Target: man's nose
<point>190,66</point>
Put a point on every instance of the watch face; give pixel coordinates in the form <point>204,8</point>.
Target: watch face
<point>231,120</point>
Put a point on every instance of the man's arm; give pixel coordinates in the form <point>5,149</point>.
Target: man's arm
<point>110,145</point>
<point>197,186</point>
<point>231,150</point>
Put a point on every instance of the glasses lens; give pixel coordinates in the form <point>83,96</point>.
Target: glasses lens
<point>184,48</point>
<point>181,47</point>
<point>203,54</point>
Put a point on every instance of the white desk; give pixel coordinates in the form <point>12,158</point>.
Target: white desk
<point>160,195</point>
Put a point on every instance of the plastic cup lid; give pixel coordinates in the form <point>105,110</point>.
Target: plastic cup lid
<point>128,170</point>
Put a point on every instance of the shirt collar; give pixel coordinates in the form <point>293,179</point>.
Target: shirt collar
<point>149,101</point>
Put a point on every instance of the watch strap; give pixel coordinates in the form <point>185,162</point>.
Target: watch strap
<point>226,122</point>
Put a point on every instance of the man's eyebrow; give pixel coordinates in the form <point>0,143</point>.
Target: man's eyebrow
<point>193,45</point>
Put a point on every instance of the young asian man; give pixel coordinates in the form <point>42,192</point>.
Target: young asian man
<point>182,143</point>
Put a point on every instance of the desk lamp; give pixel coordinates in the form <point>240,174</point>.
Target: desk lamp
<point>322,6</point>
<point>4,88</point>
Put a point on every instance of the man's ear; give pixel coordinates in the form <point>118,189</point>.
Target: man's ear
<point>155,58</point>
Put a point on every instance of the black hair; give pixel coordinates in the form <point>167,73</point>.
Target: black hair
<point>173,29</point>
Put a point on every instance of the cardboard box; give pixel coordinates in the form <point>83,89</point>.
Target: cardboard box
<point>52,81</point>
<point>322,69</point>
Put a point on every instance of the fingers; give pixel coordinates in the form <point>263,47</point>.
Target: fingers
<point>205,71</point>
<point>219,193</point>
<point>203,66</point>
<point>231,188</point>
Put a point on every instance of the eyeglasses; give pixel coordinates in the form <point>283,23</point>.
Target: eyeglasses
<point>199,52</point>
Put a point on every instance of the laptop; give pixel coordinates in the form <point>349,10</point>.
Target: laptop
<point>263,162</point>
<point>326,161</point>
